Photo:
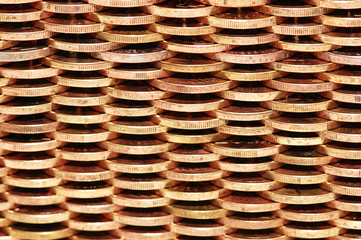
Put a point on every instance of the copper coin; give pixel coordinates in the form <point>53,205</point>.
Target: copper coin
<point>83,79</point>
<point>191,136</point>
<point>345,113</point>
<point>341,18</point>
<point>245,128</point>
<point>344,186</point>
<point>67,6</point>
<point>142,71</point>
<point>246,165</point>
<point>252,221</point>
<point>34,196</point>
<point>348,4</point>
<point>300,27</point>
<point>350,221</point>
<point>21,13</point>
<point>94,235</point>
<point>192,173</point>
<point>295,138</point>
<point>315,230</point>
<point>32,69</point>
<point>191,153</point>
<point>27,106</point>
<point>147,233</point>
<point>234,3</point>
<point>196,210</point>
<point>143,217</point>
<point>269,234</point>
<point>54,230</point>
<point>29,143</point>
<point>93,222</point>
<point>37,160</point>
<point>84,189</point>
<point>147,181</point>
<point>345,55</point>
<point>128,108</point>
<point>346,203</point>
<point>342,37</point>
<point>31,179</point>
<point>343,168</point>
<point>30,124</point>
<point>140,199</point>
<point>134,125</point>
<point>80,97</point>
<point>124,3</point>
<point>346,133</point>
<point>25,52</point>
<point>341,150</point>
<point>78,115</point>
<point>23,32</point>
<point>201,228</point>
<point>302,44</point>
<point>193,191</point>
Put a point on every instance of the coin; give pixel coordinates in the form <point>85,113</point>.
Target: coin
<point>302,44</point>
<point>300,27</point>
<point>189,9</point>
<point>191,136</point>
<point>191,153</point>
<point>245,128</point>
<point>123,16</point>
<point>66,6</point>
<point>147,233</point>
<point>304,83</point>
<point>269,234</point>
<point>137,34</point>
<point>186,63</point>
<point>240,19</point>
<point>140,199</point>
<point>143,217</point>
<point>134,125</point>
<point>314,230</point>
<point>37,160</point>
<point>137,164</point>
<point>94,235</point>
<point>84,189</point>
<point>123,3</point>
<point>128,108</point>
<point>78,115</point>
<point>350,221</point>
<point>300,122</point>
<point>139,53</point>
<point>193,44</point>
<point>147,181</point>
<point>83,79</point>
<point>32,69</point>
<point>196,210</point>
<point>303,63</point>
<point>341,37</point>
<point>309,213</point>
<point>23,31</point>
<point>234,3</point>
<point>242,37</point>
<point>73,24</point>
<point>80,97</point>
<point>344,55</point>
<point>244,147</point>
<point>36,231</point>
<point>31,179</point>
<point>245,165</point>
<point>342,168</point>
<point>341,150</point>
<point>252,221</point>
<point>33,196</point>
<point>346,133</point>
<point>92,206</point>
<point>25,52</point>
<point>345,113</point>
<point>30,124</point>
<point>346,203</point>
<point>142,71</point>
<point>295,138</point>
<point>21,13</point>
<point>81,43</point>
<point>192,172</point>
<point>29,143</point>
<point>201,228</point>
<point>344,186</point>
<point>299,194</point>
<point>93,222</point>
<point>248,72</point>
<point>21,106</point>
<point>182,27</point>
<point>340,18</point>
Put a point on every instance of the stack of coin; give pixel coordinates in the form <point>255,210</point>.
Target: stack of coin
<point>180,119</point>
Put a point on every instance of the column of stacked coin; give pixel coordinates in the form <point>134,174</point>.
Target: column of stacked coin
<point>344,141</point>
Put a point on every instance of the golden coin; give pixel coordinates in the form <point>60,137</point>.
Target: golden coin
<point>193,44</point>
<point>82,172</point>
<point>311,230</point>
<point>253,90</point>
<point>242,37</point>
<point>244,147</point>
<point>33,196</point>
<point>73,24</point>
<point>78,115</point>
<point>81,43</point>
<point>28,70</point>
<point>123,3</point>
<point>295,138</point>
<point>308,213</point>
<point>342,37</point>
<point>349,94</point>
<point>191,136</point>
<point>146,233</point>
<point>81,152</point>
<point>244,111</point>
<point>92,206</point>
<point>247,182</point>
<point>248,72</point>
<point>303,63</point>
<point>129,144</point>
<point>246,165</point>
<point>137,34</point>
<point>80,97</point>
<point>123,16</point>
<point>343,168</point>
<point>340,18</point>
<point>186,63</point>
<point>136,72</point>
<point>293,174</point>
<point>246,202</point>
<point>137,164</point>
<point>142,217</point>
<point>196,210</point>
<point>346,203</point>
<point>240,19</point>
<point>28,143</point>
<point>300,82</point>
<point>139,199</point>
<point>84,189</point>
<point>242,234</point>
<point>302,44</point>
<point>128,108</point>
<point>239,128</point>
<point>191,103</point>
<point>31,179</point>
<point>344,186</point>
<point>139,53</point>
<point>307,156</point>
<point>24,31</point>
<point>350,221</point>
<point>37,215</point>
<point>193,191</point>
<point>258,54</point>
<point>93,222</point>
<point>36,231</point>
<point>21,13</point>
<point>83,79</point>
<point>26,106</point>
<point>187,121</point>
<point>190,153</point>
<point>188,9</point>
<point>77,62</point>
<point>299,194</point>
<point>346,75</point>
<point>30,124</point>
<point>192,173</point>
<point>344,55</point>
<point>341,150</point>
<point>234,3</point>
<point>66,6</point>
<point>252,221</point>
<point>291,9</point>
<point>25,52</point>
<point>148,181</point>
<point>182,27</point>
<point>345,113</point>
<point>94,235</point>
<point>37,160</point>
<point>300,122</point>
<point>300,27</point>
<point>199,228</point>
<point>346,133</point>
<point>134,125</point>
